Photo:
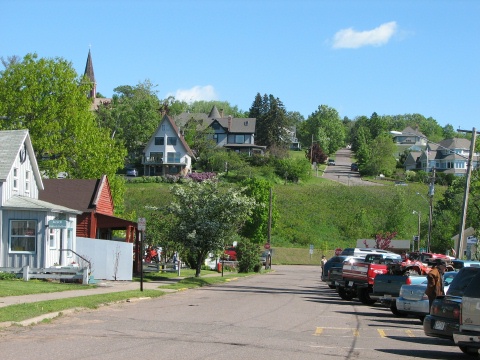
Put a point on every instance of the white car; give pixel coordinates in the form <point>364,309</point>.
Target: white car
<point>413,301</point>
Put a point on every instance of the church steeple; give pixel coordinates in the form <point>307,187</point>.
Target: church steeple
<point>91,75</point>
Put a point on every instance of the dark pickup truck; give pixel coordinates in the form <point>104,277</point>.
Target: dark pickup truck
<point>358,277</point>
<point>386,288</point>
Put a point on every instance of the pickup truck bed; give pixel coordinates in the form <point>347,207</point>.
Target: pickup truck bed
<point>386,288</point>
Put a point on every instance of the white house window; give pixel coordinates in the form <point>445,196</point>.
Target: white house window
<point>239,139</point>
<point>164,127</point>
<point>171,141</point>
<point>15,179</point>
<point>27,181</point>
<point>23,236</point>
<point>69,242</point>
<point>159,140</point>
<point>173,157</point>
<point>52,239</point>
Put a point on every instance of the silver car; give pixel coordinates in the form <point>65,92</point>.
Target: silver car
<point>413,301</point>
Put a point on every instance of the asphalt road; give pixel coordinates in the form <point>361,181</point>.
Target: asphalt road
<point>285,314</point>
<point>341,171</point>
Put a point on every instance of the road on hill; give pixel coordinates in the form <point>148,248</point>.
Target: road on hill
<point>341,171</point>
<point>285,314</point>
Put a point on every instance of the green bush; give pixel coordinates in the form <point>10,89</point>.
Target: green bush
<point>7,276</point>
<point>247,256</point>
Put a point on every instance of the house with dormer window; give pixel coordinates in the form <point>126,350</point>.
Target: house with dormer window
<point>167,152</point>
<point>32,232</point>
<point>237,134</point>
<point>450,156</point>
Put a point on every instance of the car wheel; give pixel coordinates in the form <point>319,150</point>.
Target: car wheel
<point>344,295</point>
<point>332,286</point>
<point>394,310</point>
<point>365,298</point>
<point>469,350</point>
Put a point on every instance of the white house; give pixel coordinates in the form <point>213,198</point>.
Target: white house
<point>33,232</point>
<point>167,152</point>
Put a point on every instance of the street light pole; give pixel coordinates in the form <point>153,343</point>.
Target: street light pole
<point>463,219</point>
<point>418,233</point>
<point>431,192</point>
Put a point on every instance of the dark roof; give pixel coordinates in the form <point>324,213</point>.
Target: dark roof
<point>214,114</point>
<point>89,68</point>
<point>80,194</point>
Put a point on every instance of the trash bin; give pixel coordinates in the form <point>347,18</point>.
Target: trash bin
<point>219,267</point>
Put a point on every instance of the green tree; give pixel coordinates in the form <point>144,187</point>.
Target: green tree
<point>325,127</point>
<point>381,159</point>
<point>272,121</point>
<point>132,117</point>
<point>48,98</point>
<point>208,216</point>
<point>256,227</point>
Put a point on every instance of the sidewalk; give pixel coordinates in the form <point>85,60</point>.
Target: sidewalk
<point>103,287</point>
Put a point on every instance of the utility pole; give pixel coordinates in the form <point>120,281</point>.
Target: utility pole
<point>431,192</point>
<point>463,219</point>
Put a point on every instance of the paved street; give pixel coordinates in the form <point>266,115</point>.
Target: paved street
<point>286,314</point>
<point>341,171</point>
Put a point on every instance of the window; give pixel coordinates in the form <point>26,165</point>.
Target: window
<point>159,141</point>
<point>173,157</point>
<point>156,156</point>
<point>239,139</point>
<point>15,179</point>
<point>52,239</point>
<point>171,141</point>
<point>23,236</point>
<point>27,181</point>
<point>69,242</point>
<point>164,127</point>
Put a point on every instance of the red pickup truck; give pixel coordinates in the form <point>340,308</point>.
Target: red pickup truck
<point>357,278</point>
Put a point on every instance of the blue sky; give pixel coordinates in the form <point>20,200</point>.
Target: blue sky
<point>359,57</point>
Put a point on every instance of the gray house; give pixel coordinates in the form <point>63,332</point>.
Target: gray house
<point>32,232</point>
<point>237,134</point>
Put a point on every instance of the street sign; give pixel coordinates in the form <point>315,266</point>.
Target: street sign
<point>472,240</point>
<point>142,224</point>
<point>57,224</point>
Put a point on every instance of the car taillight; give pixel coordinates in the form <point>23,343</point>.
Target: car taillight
<point>456,313</point>
<point>434,310</point>
<point>408,281</point>
<point>460,314</point>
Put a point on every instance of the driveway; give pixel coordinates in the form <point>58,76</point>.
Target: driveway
<point>341,171</point>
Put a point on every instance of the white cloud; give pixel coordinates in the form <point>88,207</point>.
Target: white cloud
<point>206,93</point>
<point>351,39</point>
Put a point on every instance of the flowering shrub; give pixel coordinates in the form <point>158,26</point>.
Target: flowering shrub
<point>199,177</point>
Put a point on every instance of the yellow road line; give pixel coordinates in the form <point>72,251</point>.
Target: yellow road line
<point>409,333</point>
<point>382,333</point>
<point>318,331</point>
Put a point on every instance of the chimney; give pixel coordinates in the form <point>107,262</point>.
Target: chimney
<point>229,122</point>
<point>221,113</point>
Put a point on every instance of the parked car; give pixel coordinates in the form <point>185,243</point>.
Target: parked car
<point>354,167</point>
<point>459,264</point>
<point>266,258</point>
<point>413,301</point>
<point>132,172</point>
<point>335,261</point>
<point>469,330</point>
<point>444,315</point>
<point>331,162</point>
<point>230,253</point>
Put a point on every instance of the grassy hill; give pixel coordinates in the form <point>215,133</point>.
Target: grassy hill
<point>321,212</point>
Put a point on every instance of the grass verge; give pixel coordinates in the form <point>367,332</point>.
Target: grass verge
<point>25,311</point>
<point>20,287</point>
